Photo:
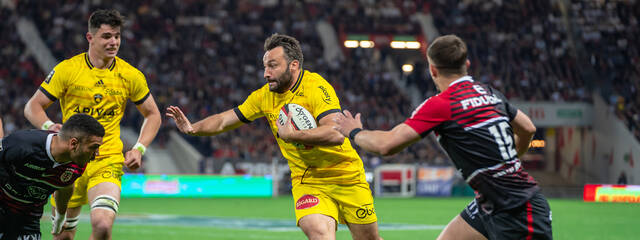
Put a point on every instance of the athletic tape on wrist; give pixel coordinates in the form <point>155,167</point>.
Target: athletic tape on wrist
<point>140,147</point>
<point>46,125</point>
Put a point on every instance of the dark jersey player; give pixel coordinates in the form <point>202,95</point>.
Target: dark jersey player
<point>484,136</point>
<point>36,163</point>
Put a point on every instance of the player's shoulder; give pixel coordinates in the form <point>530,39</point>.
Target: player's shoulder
<point>25,138</point>
<point>128,71</point>
<point>124,65</point>
<point>74,62</point>
<point>313,78</point>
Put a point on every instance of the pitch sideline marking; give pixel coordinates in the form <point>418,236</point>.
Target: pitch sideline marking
<point>274,225</point>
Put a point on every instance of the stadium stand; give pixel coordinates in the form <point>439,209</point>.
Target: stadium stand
<point>206,57</point>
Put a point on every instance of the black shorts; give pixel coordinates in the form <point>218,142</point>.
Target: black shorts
<point>532,220</point>
<point>15,226</point>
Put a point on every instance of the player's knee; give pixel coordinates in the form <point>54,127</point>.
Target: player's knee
<point>318,232</point>
<point>101,227</point>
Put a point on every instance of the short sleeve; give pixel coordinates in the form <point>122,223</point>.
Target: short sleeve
<point>139,90</point>
<point>12,148</point>
<point>431,113</point>
<point>509,109</point>
<point>250,110</point>
<point>323,100</point>
<point>55,84</point>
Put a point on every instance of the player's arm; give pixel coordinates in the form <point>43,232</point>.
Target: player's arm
<point>523,130</point>
<point>34,111</point>
<point>1,129</point>
<point>62,197</point>
<point>148,131</point>
<point>152,121</point>
<point>212,125</point>
<point>380,142</point>
<point>324,135</point>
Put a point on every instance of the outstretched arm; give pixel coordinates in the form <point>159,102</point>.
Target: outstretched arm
<point>523,130</point>
<point>380,142</point>
<point>34,112</point>
<point>212,125</point>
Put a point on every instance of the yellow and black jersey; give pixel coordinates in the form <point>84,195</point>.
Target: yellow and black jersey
<point>101,93</point>
<point>309,164</point>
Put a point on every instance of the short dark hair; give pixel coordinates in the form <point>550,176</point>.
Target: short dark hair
<point>110,17</point>
<point>291,47</point>
<point>80,126</point>
<point>449,55</point>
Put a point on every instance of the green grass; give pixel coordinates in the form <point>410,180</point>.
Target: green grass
<point>572,219</point>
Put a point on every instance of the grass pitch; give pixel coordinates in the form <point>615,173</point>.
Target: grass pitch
<point>399,218</point>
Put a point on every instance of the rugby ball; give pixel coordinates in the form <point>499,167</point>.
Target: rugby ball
<point>301,118</point>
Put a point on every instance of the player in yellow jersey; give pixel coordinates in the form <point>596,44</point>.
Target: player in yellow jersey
<point>99,84</point>
<point>329,185</point>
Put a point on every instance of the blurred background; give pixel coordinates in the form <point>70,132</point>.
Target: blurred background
<point>572,65</point>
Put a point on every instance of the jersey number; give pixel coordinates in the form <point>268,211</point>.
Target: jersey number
<point>506,147</point>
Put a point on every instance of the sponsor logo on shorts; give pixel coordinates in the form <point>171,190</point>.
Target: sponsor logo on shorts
<point>28,236</point>
<point>111,174</point>
<point>365,211</point>
<point>307,201</point>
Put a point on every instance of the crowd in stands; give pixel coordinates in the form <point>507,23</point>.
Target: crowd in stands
<point>611,35</point>
<point>519,47</point>
<point>206,57</point>
<point>19,74</point>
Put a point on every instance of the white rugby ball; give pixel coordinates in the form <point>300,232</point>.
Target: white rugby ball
<point>301,118</point>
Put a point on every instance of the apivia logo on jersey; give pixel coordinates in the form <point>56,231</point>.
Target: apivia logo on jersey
<point>97,113</point>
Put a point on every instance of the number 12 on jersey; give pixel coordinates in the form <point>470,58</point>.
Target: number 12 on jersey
<point>504,140</point>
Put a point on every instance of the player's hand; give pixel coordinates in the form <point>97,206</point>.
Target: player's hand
<point>133,159</point>
<point>57,221</point>
<point>181,120</point>
<point>55,127</point>
<point>345,122</point>
<point>286,131</point>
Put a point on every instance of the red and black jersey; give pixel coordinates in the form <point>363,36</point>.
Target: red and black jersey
<point>472,123</point>
<point>29,174</point>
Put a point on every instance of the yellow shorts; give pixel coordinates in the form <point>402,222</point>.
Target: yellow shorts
<point>344,203</point>
<point>102,169</point>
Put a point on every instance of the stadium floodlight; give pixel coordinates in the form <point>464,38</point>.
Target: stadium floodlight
<point>366,44</point>
<point>398,44</point>
<point>407,68</point>
<point>413,45</point>
<point>351,43</point>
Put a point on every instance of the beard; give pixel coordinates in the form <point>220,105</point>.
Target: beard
<point>282,82</point>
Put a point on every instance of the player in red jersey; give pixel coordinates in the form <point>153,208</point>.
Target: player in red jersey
<point>484,136</point>
<point>36,163</point>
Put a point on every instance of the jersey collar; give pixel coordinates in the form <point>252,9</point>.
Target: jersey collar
<point>462,79</point>
<point>86,60</point>
<point>298,81</point>
<point>48,146</point>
